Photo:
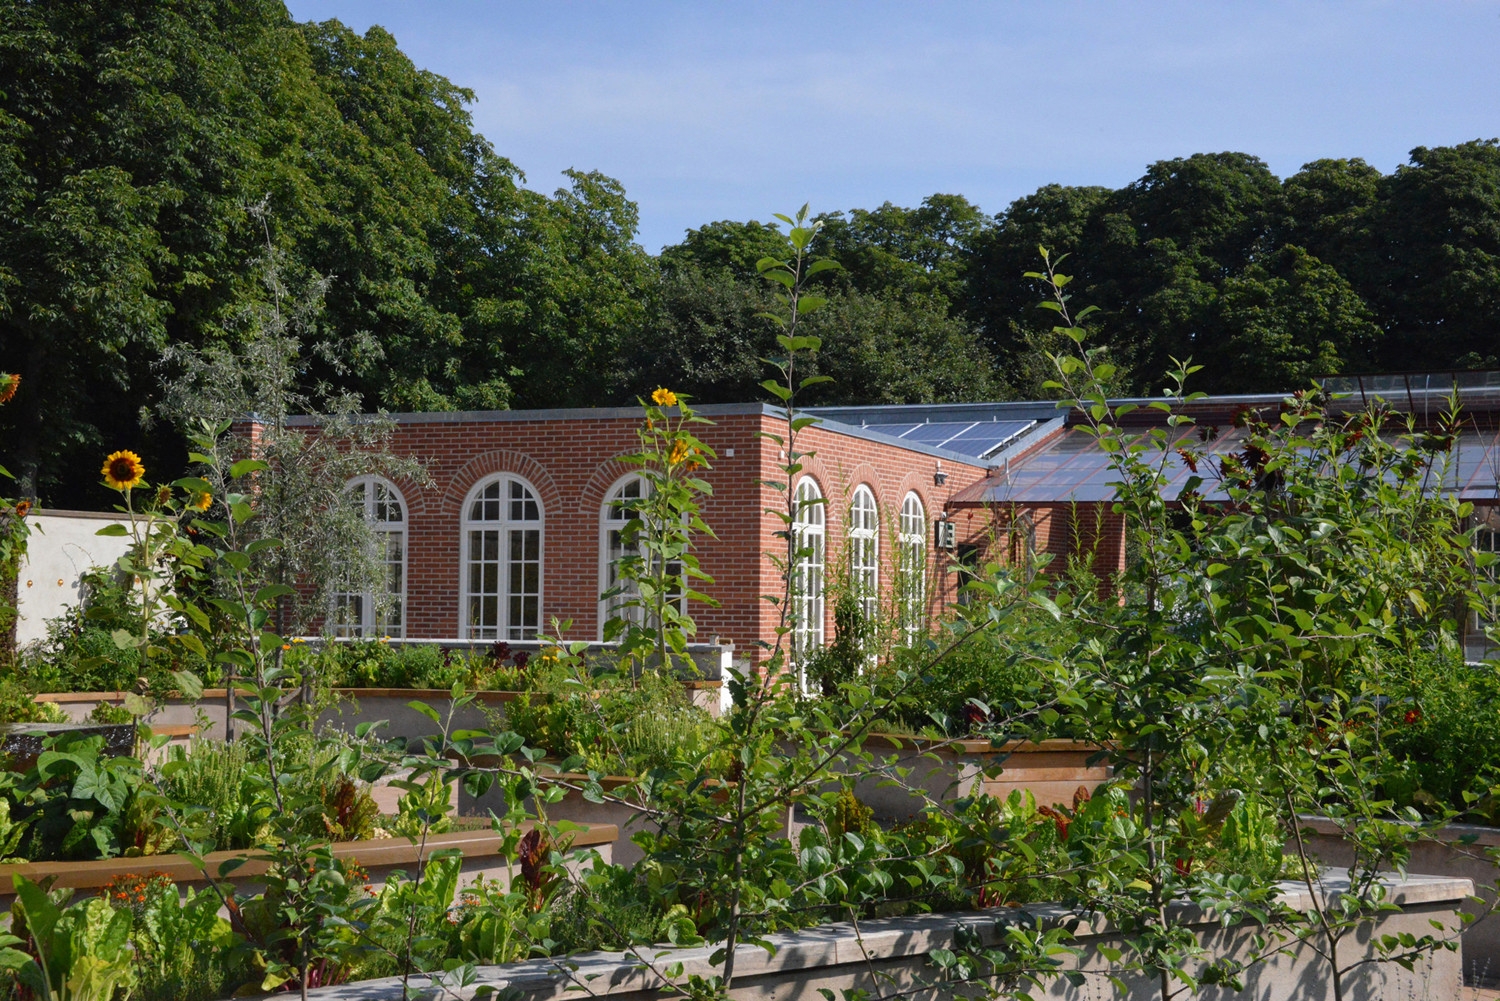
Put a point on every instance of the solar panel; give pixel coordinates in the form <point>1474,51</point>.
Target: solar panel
<point>937,432</point>
<point>986,437</point>
<point>974,438</point>
<point>894,430</point>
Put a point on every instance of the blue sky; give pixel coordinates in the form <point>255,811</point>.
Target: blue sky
<point>719,110</point>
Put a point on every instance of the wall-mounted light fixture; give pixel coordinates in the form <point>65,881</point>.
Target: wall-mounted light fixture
<point>939,477</point>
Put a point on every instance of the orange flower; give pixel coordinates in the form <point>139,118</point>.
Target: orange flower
<point>664,398</point>
<point>23,508</point>
<point>8,385</point>
<point>123,471</point>
<point>679,452</point>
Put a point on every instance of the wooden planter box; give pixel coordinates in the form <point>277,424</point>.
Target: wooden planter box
<point>1051,770</point>
<point>359,705</point>
<point>381,857</point>
<point>890,957</point>
<point>1447,856</point>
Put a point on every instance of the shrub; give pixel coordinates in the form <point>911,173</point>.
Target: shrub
<point>18,705</point>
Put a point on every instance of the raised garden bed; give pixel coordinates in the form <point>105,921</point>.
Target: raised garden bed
<point>890,956</point>
<point>20,743</point>
<point>380,857</point>
<point>1051,770</point>
<point>1459,852</point>
<point>358,705</point>
<point>626,818</point>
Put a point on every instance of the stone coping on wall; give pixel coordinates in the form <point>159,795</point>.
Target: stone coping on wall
<point>965,745</point>
<point>420,694</point>
<point>378,852</point>
<point>805,953</point>
<point>1473,834</point>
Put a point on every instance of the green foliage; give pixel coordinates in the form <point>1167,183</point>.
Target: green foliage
<point>841,660</point>
<point>108,713</point>
<point>81,805</point>
<point>1437,728</point>
<point>79,951</point>
<point>372,664</point>
<point>18,705</point>
<point>183,949</point>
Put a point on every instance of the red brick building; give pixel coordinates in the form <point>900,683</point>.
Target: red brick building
<point>515,527</point>
<point>519,524</point>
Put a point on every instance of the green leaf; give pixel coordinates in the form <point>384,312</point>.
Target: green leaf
<point>245,466</point>
<point>188,683</point>
<point>113,530</point>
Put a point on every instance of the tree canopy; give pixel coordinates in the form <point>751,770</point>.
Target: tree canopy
<point>148,152</point>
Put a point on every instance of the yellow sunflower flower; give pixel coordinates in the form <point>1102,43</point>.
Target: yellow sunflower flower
<point>201,500</point>
<point>123,471</point>
<point>679,452</point>
<point>8,385</point>
<point>664,398</point>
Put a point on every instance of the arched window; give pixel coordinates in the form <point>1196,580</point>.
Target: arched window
<point>864,552</point>
<point>502,571</point>
<point>911,596</point>
<point>376,613</point>
<point>620,507</point>
<point>807,580</point>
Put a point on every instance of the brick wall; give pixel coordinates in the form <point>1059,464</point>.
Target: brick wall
<point>572,463</point>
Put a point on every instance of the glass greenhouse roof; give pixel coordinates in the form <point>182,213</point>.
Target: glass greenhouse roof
<point>1072,466</point>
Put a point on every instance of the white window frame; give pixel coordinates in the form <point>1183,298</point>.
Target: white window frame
<point>391,537</point>
<point>1477,645</point>
<point>864,551</point>
<point>612,520</point>
<point>504,527</point>
<point>810,531</point>
<point>911,548</point>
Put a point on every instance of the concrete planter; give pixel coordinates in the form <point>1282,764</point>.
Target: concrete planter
<point>381,857</point>
<point>356,706</point>
<point>1448,856</point>
<point>1051,770</point>
<point>623,816</point>
<point>885,957</point>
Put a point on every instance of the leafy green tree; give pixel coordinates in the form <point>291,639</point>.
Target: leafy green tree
<point>1288,321</point>
<point>130,133</point>
<point>1434,277</point>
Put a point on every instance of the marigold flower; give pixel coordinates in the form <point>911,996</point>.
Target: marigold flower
<point>23,508</point>
<point>123,471</point>
<point>1412,715</point>
<point>8,386</point>
<point>201,499</point>
<point>664,398</point>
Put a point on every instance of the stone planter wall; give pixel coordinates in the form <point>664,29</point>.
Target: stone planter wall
<point>481,851</point>
<point>1051,770</point>
<point>1447,856</point>
<point>624,817</point>
<point>357,705</point>
<point>881,957</point>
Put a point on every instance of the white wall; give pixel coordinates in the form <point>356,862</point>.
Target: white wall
<point>62,547</point>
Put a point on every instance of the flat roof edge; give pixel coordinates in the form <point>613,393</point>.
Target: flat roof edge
<point>559,414</point>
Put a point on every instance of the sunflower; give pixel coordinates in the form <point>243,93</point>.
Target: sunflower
<point>680,451</point>
<point>201,499</point>
<point>163,494</point>
<point>123,470</point>
<point>8,384</point>
<point>664,398</point>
